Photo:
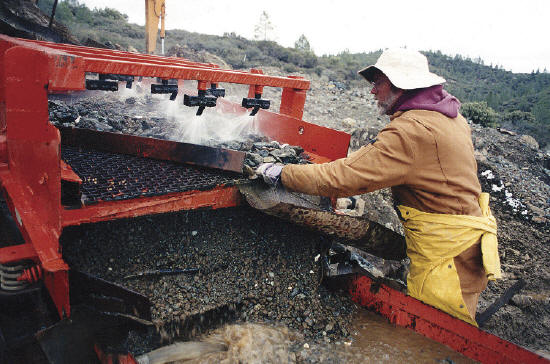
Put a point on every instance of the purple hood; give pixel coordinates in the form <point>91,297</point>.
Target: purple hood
<point>432,98</point>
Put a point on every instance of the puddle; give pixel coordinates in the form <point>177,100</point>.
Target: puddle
<point>373,340</point>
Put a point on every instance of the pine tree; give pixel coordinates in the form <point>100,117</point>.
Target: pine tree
<point>302,44</point>
<point>262,30</point>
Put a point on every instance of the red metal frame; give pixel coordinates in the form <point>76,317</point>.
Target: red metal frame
<point>405,311</point>
<point>30,165</point>
<point>216,198</point>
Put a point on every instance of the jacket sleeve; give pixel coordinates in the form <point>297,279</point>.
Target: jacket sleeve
<point>383,163</point>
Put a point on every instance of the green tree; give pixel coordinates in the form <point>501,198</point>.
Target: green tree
<point>263,30</point>
<point>518,117</point>
<point>302,44</point>
<point>479,113</point>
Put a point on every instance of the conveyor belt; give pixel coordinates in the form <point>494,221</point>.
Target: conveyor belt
<point>109,176</point>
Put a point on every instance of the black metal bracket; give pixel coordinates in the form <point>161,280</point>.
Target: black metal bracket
<point>108,297</point>
<point>256,103</point>
<point>114,77</point>
<point>203,100</point>
<point>165,88</point>
<point>215,91</point>
<point>101,85</point>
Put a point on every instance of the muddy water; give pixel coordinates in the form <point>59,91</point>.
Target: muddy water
<point>373,340</point>
<point>379,341</point>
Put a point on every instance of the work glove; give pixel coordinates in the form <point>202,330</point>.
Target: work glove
<point>270,172</point>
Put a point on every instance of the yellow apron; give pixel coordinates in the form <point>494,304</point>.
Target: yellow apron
<point>433,240</point>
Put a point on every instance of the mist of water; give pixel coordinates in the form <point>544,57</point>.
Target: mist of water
<point>210,128</point>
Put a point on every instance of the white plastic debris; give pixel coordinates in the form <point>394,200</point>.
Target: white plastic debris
<point>497,188</point>
<point>488,174</point>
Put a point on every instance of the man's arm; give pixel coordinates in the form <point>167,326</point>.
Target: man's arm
<point>384,163</point>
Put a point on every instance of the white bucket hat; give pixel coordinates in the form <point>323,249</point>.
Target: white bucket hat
<point>405,68</point>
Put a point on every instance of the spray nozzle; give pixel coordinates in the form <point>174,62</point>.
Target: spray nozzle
<point>257,102</point>
<point>109,82</point>
<point>215,91</point>
<point>202,100</point>
<point>166,87</point>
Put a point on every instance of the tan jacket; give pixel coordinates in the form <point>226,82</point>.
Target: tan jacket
<point>428,161</point>
<point>425,157</point>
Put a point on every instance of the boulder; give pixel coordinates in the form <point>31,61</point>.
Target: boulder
<point>529,141</point>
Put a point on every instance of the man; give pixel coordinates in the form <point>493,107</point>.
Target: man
<point>425,154</point>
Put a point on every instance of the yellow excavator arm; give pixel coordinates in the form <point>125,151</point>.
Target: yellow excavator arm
<point>154,10</point>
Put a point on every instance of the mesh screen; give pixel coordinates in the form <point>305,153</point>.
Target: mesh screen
<point>109,176</point>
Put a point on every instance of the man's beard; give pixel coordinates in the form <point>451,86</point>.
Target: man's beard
<point>386,106</point>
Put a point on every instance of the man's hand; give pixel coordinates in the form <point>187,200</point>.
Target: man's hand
<point>270,172</point>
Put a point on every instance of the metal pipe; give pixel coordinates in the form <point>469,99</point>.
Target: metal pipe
<point>53,13</point>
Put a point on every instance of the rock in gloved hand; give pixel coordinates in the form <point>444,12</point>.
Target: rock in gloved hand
<point>270,172</point>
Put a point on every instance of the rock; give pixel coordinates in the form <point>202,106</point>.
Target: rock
<point>505,131</point>
<point>535,210</point>
<point>260,145</point>
<point>343,203</point>
<point>539,220</point>
<point>253,159</point>
<point>529,141</point>
<point>349,123</point>
<point>522,301</point>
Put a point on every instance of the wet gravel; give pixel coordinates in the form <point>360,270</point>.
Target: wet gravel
<point>138,113</point>
<point>147,116</point>
<point>238,265</point>
<point>259,266</point>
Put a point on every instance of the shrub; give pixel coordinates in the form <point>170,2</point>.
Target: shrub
<point>480,113</point>
<point>518,117</point>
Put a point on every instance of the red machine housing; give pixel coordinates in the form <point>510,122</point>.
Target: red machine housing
<point>31,169</point>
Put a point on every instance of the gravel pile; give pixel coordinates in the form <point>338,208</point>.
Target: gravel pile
<point>237,264</point>
<point>262,268</point>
